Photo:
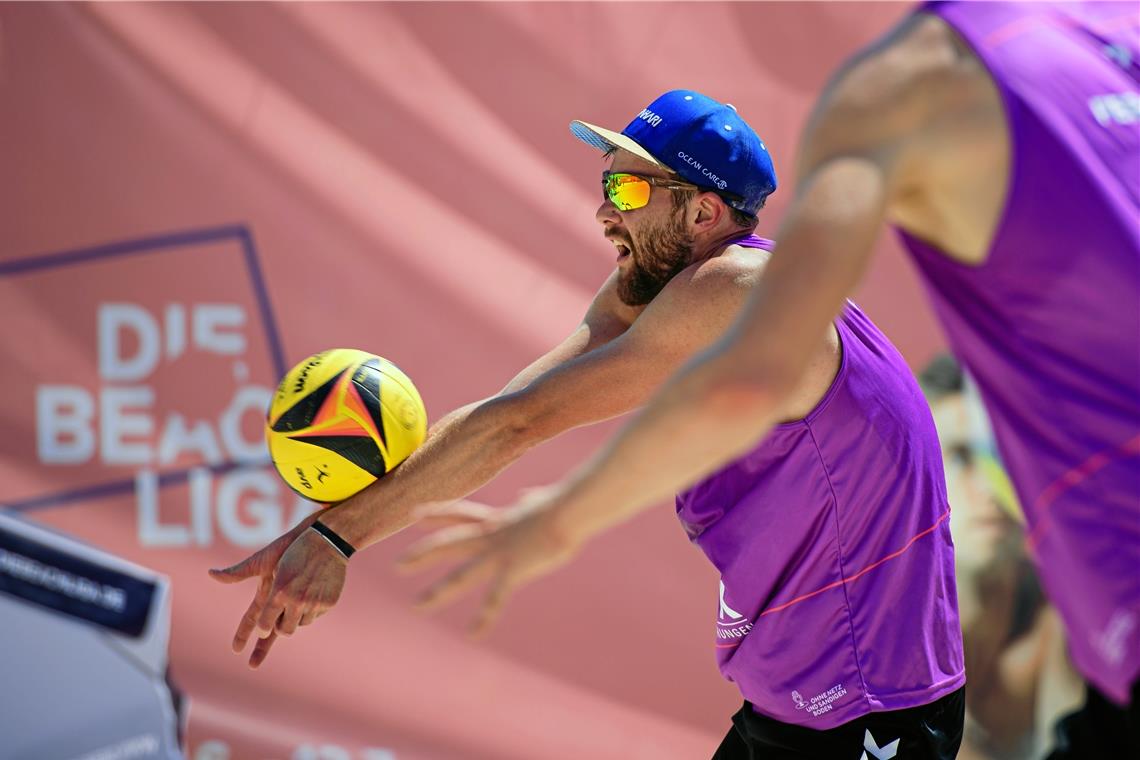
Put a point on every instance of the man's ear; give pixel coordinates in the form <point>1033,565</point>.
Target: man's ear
<point>709,210</point>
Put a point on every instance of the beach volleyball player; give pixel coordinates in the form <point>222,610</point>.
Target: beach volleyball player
<point>1003,141</point>
<point>853,484</point>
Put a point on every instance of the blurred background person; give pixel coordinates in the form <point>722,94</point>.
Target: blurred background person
<point>1020,678</point>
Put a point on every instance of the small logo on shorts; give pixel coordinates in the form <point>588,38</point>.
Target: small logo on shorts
<point>799,700</point>
<point>885,752</point>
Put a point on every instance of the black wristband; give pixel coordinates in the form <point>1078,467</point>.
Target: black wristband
<point>331,536</point>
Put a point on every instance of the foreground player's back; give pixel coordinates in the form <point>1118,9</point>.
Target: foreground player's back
<point>1048,318</point>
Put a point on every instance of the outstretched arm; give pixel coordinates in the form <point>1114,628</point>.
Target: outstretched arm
<point>479,427</point>
<point>598,373</point>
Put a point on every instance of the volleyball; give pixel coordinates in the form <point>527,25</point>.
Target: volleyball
<point>339,420</point>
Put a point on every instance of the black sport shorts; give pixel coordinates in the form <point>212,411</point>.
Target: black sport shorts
<point>927,732</point>
<point>1099,729</point>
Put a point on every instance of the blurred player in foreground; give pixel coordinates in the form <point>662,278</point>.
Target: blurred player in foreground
<point>852,490</point>
<point>1003,141</point>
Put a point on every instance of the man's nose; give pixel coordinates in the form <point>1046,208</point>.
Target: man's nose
<point>607,214</point>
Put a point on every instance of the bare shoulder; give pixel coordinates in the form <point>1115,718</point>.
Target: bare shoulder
<point>736,269</point>
<point>887,97</point>
<point>921,49</point>
<point>699,303</point>
<point>918,114</point>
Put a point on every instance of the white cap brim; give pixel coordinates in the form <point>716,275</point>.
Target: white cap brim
<point>604,139</point>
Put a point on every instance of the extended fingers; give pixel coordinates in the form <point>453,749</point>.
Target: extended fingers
<point>249,619</point>
<point>263,645</point>
<point>289,620</point>
<point>455,583</point>
<point>247,568</point>
<point>442,514</point>
<point>270,612</point>
<point>493,605</point>
<point>453,543</point>
<point>261,649</point>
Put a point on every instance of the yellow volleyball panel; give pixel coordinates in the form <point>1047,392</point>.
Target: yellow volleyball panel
<point>318,472</point>
<point>405,419</point>
<point>305,381</point>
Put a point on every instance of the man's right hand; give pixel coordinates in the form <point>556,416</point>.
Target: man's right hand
<point>505,547</point>
<point>262,564</point>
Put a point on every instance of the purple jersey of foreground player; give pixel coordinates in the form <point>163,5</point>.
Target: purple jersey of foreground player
<point>833,545</point>
<point>1049,325</point>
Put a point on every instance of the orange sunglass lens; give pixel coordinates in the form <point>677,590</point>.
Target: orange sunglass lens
<point>626,191</point>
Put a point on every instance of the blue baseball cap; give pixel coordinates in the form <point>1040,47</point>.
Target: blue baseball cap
<point>702,141</point>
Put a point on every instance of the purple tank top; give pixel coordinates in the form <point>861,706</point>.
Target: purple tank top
<point>832,541</point>
<point>1049,325</point>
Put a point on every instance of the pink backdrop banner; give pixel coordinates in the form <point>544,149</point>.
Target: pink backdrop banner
<point>197,196</point>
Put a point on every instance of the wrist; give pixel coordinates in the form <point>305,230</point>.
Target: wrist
<point>333,539</point>
<point>351,519</point>
<point>570,519</point>
<point>379,510</point>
